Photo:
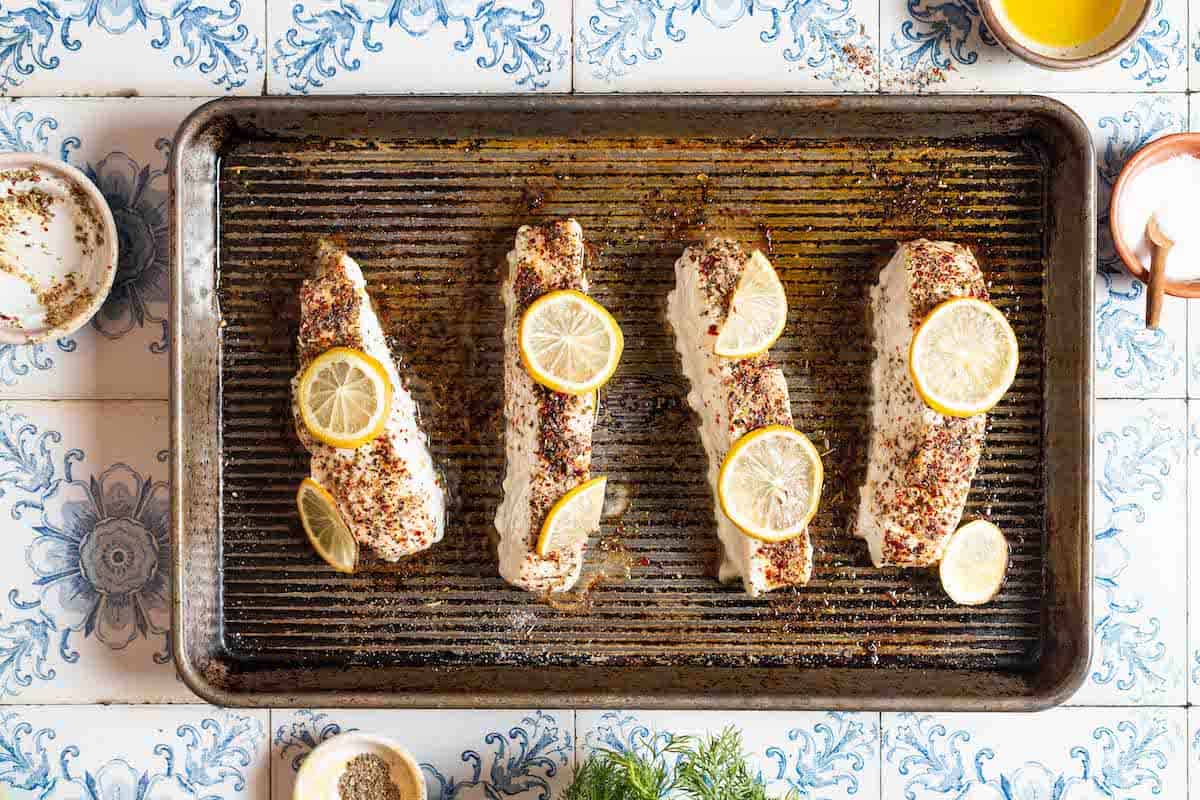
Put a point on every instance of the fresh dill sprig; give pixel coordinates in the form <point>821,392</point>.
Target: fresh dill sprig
<point>713,768</point>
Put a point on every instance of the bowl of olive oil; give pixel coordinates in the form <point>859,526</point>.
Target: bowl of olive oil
<point>1066,34</point>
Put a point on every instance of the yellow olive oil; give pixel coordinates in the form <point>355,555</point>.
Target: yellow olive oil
<point>1061,23</point>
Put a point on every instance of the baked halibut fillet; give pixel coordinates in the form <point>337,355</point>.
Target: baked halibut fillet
<point>920,463</point>
<point>387,490</point>
<point>732,398</point>
<point>548,435</point>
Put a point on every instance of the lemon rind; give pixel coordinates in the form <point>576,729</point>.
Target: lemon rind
<point>543,541</point>
<point>342,442</point>
<point>549,381</point>
<point>993,399</point>
<point>818,484</point>
<point>323,493</point>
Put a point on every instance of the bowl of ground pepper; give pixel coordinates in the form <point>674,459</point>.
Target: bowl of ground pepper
<point>58,249</point>
<point>359,766</point>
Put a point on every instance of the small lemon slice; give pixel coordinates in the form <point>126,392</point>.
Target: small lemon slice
<point>326,530</point>
<point>770,483</point>
<point>569,342</point>
<point>757,311</point>
<point>963,357</point>
<point>345,397</point>
<point>974,563</point>
<point>573,517</point>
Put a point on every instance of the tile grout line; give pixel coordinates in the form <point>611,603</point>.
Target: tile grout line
<point>270,761</point>
<point>879,741</point>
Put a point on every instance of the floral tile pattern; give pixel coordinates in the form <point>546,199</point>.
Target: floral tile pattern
<point>133,753</point>
<point>130,47</point>
<point>123,146</point>
<point>827,755</point>
<point>1139,656</point>
<point>402,46</point>
<point>1131,361</point>
<point>781,45</point>
<point>944,46</point>
<point>1068,754</point>
<point>463,754</point>
<point>85,554</point>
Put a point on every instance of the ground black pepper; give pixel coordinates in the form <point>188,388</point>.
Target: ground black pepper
<point>367,777</point>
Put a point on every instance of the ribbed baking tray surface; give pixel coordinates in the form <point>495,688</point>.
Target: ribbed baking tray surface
<point>430,220</point>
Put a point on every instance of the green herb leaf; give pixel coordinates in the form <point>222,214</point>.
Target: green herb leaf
<point>713,768</point>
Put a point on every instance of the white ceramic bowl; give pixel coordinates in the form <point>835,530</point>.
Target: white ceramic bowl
<point>37,256</point>
<point>1112,42</point>
<point>319,774</point>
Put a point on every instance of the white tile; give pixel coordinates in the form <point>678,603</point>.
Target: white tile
<point>1193,469</point>
<point>726,46</point>
<point>799,754</point>
<point>133,753</point>
<point>1067,754</point>
<point>524,755</point>
<point>1131,361</point>
<point>123,145</point>
<point>387,47</point>
<point>941,46</point>
<point>1193,717</point>
<point>133,47</point>
<point>1193,354</point>
<point>1194,45</point>
<point>1139,654</point>
<point>85,554</point>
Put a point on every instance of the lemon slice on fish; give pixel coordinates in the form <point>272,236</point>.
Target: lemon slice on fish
<point>327,531</point>
<point>757,311</point>
<point>963,357</point>
<point>569,342</point>
<point>345,397</point>
<point>573,518</point>
<point>770,483</point>
<point>974,563</point>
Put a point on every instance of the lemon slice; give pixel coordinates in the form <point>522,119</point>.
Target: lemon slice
<point>770,483</point>
<point>757,311</point>
<point>326,530</point>
<point>345,397</point>
<point>573,517</point>
<point>974,563</point>
<point>963,357</point>
<point>569,342</point>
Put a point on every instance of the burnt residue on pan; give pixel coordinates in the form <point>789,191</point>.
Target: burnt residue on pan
<point>430,223</point>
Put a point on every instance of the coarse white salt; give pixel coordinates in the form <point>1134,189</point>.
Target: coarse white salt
<point>1171,192</point>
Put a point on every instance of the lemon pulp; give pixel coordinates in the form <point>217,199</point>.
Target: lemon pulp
<point>1063,23</point>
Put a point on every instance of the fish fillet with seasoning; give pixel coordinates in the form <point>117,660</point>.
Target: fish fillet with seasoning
<point>920,463</point>
<point>548,435</point>
<point>387,490</point>
<point>732,398</point>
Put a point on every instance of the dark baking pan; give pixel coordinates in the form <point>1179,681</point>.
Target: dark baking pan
<point>427,193</point>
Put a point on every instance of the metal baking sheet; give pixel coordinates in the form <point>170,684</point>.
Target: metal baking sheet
<point>427,193</point>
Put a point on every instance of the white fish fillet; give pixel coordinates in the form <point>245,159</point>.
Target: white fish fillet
<point>548,435</point>
<point>921,463</point>
<point>387,490</point>
<point>732,398</point>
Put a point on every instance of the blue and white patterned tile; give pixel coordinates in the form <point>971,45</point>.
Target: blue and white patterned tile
<point>1193,716</point>
<point>944,46</point>
<point>1140,654</point>
<point>526,755</point>
<point>824,755</point>
<point>85,554</point>
<point>1066,754</point>
<point>123,146</point>
<point>417,46</point>
<point>132,47</point>
<point>133,753</point>
<point>764,45</point>
<point>1193,551</point>
<point>1131,361</point>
